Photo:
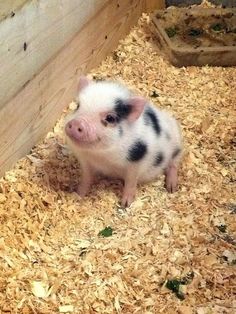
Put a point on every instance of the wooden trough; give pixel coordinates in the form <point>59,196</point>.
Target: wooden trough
<point>44,46</point>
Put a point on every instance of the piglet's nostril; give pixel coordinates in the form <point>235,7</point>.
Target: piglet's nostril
<point>69,125</point>
<point>79,129</point>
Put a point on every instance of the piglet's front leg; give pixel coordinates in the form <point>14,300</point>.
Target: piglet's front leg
<point>87,179</point>
<point>130,186</point>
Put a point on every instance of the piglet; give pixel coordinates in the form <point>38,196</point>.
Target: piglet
<point>119,134</point>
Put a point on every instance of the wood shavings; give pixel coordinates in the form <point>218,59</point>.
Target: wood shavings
<point>230,256</point>
<point>40,289</point>
<point>66,309</point>
<point>51,256</point>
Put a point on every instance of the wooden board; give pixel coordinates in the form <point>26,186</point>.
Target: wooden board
<point>32,112</point>
<point>32,33</point>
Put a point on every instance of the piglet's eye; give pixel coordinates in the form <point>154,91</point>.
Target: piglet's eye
<point>110,119</point>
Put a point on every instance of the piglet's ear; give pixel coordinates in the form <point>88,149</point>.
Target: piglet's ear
<point>83,82</point>
<point>137,103</point>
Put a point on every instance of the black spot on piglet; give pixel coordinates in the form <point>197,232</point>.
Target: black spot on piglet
<point>137,151</point>
<point>151,118</point>
<point>159,159</point>
<point>122,109</point>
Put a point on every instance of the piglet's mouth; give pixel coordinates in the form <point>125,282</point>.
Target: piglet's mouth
<point>83,142</point>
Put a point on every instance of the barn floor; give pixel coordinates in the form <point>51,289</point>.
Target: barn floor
<point>52,259</point>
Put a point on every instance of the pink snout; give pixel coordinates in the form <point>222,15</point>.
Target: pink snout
<point>80,130</point>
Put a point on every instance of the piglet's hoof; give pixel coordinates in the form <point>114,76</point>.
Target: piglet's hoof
<point>171,187</point>
<point>171,184</point>
<point>127,200</point>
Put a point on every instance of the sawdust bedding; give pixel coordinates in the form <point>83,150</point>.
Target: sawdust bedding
<point>52,258</point>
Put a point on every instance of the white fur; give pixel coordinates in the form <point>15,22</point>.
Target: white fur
<point>99,97</point>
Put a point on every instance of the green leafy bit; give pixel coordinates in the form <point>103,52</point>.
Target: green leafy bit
<point>106,232</point>
<point>171,31</point>
<point>222,228</point>
<point>217,27</point>
<point>176,284</point>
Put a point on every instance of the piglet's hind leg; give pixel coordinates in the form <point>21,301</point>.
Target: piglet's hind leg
<point>171,178</point>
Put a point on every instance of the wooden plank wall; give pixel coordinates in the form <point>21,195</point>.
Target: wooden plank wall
<point>27,117</point>
<point>32,33</point>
